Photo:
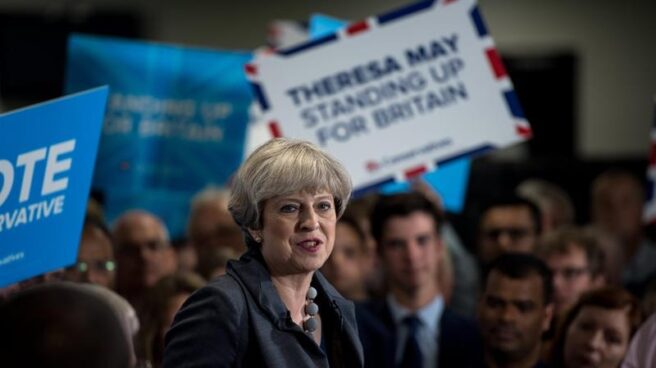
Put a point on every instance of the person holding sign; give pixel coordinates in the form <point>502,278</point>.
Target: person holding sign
<point>273,308</point>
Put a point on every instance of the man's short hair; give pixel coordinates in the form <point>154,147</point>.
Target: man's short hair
<point>94,222</point>
<point>521,266</point>
<point>402,205</point>
<point>515,201</point>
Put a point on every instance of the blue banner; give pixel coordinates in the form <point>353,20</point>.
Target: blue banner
<point>176,121</point>
<point>46,162</point>
<point>450,180</point>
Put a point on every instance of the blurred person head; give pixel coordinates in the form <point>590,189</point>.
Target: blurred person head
<point>210,224</point>
<point>597,330</point>
<point>515,310</point>
<point>185,254</point>
<point>95,258</point>
<point>62,325</point>
<point>555,204</point>
<point>407,231</point>
<point>143,252</point>
<point>360,209</point>
<point>509,225</point>
<point>216,263</point>
<point>617,204</point>
<point>162,303</point>
<point>576,262</point>
<point>125,312</point>
<point>345,268</point>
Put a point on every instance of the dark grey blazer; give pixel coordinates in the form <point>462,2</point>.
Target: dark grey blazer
<point>239,320</point>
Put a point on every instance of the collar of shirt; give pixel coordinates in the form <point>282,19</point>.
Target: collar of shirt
<point>429,315</point>
<point>428,330</point>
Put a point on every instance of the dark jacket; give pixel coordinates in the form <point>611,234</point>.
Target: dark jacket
<point>239,320</point>
<point>459,342</point>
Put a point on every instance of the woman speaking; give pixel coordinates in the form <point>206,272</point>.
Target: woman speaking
<point>272,309</point>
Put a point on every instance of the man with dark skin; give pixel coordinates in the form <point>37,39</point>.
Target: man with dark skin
<point>514,311</point>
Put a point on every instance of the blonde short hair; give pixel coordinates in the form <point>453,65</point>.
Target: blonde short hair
<point>283,166</point>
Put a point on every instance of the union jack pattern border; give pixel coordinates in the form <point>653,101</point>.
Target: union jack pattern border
<point>522,127</point>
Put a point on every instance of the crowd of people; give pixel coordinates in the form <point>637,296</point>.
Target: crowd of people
<point>536,290</point>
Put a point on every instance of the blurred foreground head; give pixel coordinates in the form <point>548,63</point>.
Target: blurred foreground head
<point>62,325</point>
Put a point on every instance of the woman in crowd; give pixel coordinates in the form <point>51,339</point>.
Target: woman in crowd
<point>346,268</point>
<point>272,309</point>
<point>597,330</point>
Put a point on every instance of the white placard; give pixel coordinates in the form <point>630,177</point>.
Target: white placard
<point>394,95</point>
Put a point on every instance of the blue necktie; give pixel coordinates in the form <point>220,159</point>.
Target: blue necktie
<point>412,357</point>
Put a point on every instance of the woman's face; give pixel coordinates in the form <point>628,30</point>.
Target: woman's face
<point>344,269</point>
<point>298,232</point>
<point>598,337</point>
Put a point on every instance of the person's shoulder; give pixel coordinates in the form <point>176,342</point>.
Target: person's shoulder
<point>455,325</point>
<point>377,306</point>
<point>223,292</point>
<point>373,315</point>
<point>460,341</point>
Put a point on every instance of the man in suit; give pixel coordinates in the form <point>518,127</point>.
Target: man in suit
<point>411,326</point>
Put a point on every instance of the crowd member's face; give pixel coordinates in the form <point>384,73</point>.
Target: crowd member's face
<point>571,277</point>
<point>212,227</point>
<point>95,260</point>
<point>506,229</point>
<point>344,268</point>
<point>512,315</point>
<point>144,255</point>
<point>617,207</point>
<point>298,232</point>
<point>411,250</point>
<point>597,338</point>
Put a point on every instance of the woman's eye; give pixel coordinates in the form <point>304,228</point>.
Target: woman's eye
<point>586,326</point>
<point>288,208</point>
<point>613,338</point>
<point>325,206</point>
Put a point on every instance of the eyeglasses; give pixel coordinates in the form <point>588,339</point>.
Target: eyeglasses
<point>515,233</point>
<point>102,266</point>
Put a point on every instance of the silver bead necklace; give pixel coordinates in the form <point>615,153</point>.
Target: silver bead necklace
<point>311,309</point>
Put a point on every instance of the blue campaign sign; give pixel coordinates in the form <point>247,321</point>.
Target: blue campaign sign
<point>449,180</point>
<point>176,121</point>
<point>46,162</point>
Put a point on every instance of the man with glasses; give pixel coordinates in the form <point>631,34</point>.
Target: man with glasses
<point>510,225</point>
<point>576,262</point>
<point>143,253</point>
<point>95,259</point>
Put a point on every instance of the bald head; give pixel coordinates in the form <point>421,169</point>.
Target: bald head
<point>143,251</point>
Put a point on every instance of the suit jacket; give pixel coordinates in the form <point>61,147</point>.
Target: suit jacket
<point>239,320</point>
<point>459,342</point>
